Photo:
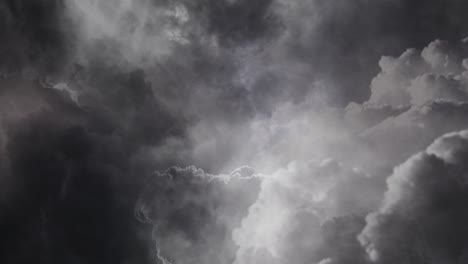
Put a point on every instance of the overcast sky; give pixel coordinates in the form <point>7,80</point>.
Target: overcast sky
<point>233,131</point>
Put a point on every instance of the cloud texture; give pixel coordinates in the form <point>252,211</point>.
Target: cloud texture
<point>119,120</point>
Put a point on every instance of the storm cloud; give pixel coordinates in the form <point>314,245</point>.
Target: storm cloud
<point>422,217</point>
<point>233,131</point>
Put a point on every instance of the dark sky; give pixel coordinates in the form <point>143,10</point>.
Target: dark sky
<point>233,131</point>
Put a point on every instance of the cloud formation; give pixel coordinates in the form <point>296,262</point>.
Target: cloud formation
<point>98,99</point>
<point>421,219</point>
<point>308,213</point>
<point>193,213</point>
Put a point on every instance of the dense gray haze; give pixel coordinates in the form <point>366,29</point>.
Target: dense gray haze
<point>234,131</point>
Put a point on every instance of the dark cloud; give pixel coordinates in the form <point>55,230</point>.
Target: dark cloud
<point>238,22</point>
<point>95,96</point>
<point>340,42</point>
<point>194,213</point>
<point>34,36</point>
<point>73,172</point>
<point>422,217</point>
<point>70,184</point>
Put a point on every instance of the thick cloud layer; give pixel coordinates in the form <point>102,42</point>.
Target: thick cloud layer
<point>33,36</point>
<point>70,178</point>
<point>416,106</point>
<point>99,98</point>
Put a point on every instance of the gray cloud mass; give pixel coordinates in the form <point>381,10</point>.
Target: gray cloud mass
<point>233,131</point>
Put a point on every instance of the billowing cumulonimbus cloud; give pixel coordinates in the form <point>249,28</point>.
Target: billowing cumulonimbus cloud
<point>308,213</point>
<point>421,96</point>
<point>80,116</point>
<point>422,218</point>
<point>416,97</point>
<point>418,77</point>
<point>96,95</point>
<point>301,209</point>
<point>332,42</point>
